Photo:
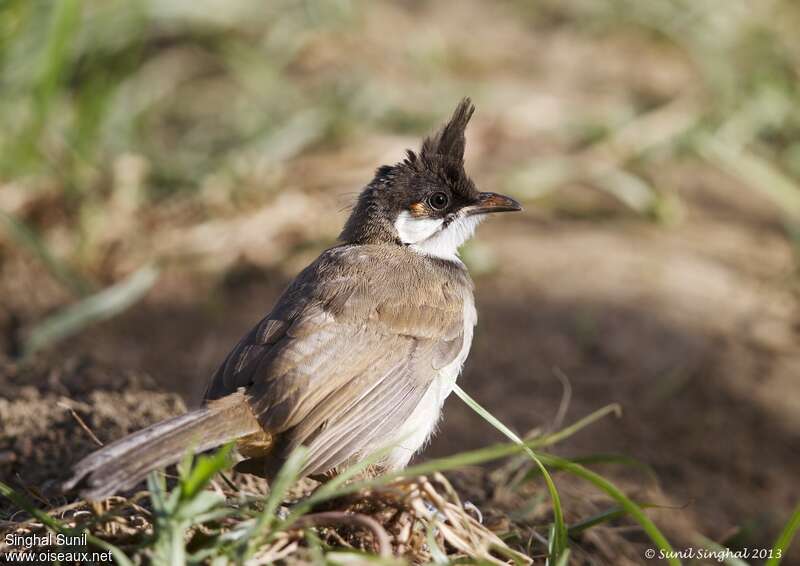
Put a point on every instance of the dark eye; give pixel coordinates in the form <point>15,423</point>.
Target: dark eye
<point>438,201</point>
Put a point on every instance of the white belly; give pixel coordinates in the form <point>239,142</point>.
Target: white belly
<point>416,431</point>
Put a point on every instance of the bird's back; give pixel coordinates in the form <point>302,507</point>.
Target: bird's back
<point>350,349</point>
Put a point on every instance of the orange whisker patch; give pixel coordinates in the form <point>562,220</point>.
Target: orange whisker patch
<point>417,209</point>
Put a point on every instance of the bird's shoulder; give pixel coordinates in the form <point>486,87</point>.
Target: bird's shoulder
<point>388,285</point>
<point>370,293</point>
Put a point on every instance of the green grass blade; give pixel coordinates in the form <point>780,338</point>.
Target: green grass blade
<point>205,468</point>
<point>722,551</point>
<point>331,488</point>
<point>597,519</point>
<point>603,517</point>
<point>438,556</point>
<point>781,546</point>
<point>753,170</point>
<point>592,459</point>
<point>564,559</point>
<point>560,531</point>
<point>464,459</point>
<point>119,556</point>
<point>614,492</point>
<point>631,190</point>
<point>55,525</point>
<point>566,432</point>
<point>26,237</point>
<point>65,22</point>
<point>100,306</point>
<point>287,476</point>
<point>22,502</point>
<point>157,488</point>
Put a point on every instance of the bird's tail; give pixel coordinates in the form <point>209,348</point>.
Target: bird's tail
<point>126,462</point>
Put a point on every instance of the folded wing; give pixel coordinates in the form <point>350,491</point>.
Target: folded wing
<point>346,355</point>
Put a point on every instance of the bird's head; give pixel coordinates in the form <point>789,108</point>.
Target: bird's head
<point>426,201</point>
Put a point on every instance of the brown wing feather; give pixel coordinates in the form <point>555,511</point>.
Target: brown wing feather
<point>347,353</point>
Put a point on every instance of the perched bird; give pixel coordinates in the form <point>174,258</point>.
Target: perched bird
<point>362,348</point>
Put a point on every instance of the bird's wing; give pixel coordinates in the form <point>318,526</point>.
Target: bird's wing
<point>349,351</point>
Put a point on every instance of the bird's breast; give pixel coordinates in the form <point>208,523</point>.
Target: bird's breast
<point>447,376</point>
<point>416,431</point>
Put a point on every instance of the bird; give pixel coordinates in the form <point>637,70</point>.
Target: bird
<point>360,351</point>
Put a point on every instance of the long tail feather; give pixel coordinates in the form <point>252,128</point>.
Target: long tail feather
<point>124,463</point>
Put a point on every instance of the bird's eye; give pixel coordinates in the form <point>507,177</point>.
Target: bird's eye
<point>438,201</point>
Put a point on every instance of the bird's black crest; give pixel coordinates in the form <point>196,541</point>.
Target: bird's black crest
<point>439,164</point>
<point>383,171</point>
<point>449,141</point>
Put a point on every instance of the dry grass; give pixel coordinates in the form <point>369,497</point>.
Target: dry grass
<point>420,519</point>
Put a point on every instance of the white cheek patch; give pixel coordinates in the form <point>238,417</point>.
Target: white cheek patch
<point>413,230</point>
<point>445,243</point>
<point>429,236</point>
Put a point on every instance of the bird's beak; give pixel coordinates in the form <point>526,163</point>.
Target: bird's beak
<point>493,202</point>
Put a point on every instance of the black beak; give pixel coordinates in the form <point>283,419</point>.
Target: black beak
<point>493,202</point>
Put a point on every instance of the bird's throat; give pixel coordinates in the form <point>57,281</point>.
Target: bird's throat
<point>436,237</point>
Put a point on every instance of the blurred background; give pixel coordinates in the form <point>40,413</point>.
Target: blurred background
<point>167,166</point>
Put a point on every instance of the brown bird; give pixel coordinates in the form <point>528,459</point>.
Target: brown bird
<point>360,351</point>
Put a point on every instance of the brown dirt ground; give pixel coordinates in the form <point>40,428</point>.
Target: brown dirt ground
<point>691,330</point>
